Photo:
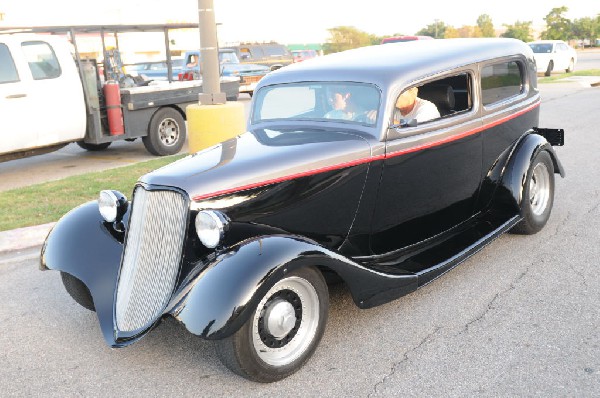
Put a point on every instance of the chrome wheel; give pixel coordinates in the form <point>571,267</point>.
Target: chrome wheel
<point>168,131</point>
<point>539,189</point>
<point>286,323</point>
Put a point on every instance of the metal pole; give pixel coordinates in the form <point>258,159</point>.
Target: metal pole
<point>168,55</point>
<point>209,55</point>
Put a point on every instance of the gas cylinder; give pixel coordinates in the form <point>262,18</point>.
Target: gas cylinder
<point>112,98</point>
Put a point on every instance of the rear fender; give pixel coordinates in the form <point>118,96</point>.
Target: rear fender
<point>220,297</point>
<point>515,175</point>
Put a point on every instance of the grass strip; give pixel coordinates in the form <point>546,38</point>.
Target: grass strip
<point>47,202</point>
<point>558,78</point>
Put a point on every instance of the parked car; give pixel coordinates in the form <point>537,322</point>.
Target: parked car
<point>553,55</point>
<point>302,55</point>
<point>273,55</point>
<point>401,39</point>
<point>238,242</point>
<point>157,70</point>
<point>249,74</point>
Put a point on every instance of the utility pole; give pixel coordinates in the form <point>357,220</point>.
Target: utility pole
<point>209,55</point>
<point>213,120</point>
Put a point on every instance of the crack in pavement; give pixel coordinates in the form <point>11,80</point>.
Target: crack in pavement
<point>404,359</point>
<point>490,305</point>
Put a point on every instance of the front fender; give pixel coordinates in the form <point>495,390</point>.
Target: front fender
<point>85,246</point>
<point>216,300</point>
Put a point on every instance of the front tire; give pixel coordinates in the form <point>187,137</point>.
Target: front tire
<point>284,330</point>
<point>538,195</point>
<point>93,147</point>
<point>78,291</point>
<point>166,133</point>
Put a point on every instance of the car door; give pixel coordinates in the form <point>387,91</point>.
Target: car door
<point>55,94</point>
<point>18,129</point>
<point>431,173</point>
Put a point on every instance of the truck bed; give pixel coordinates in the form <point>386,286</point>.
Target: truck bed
<point>160,93</point>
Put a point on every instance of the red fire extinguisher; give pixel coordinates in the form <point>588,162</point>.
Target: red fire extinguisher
<point>112,97</point>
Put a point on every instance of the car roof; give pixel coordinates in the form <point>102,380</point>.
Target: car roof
<point>545,41</point>
<point>387,64</point>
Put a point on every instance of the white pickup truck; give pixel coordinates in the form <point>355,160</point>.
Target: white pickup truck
<point>49,97</point>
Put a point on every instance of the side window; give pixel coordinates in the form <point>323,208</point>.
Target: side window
<point>436,99</point>
<point>274,51</point>
<point>244,53</point>
<point>41,59</point>
<point>8,71</point>
<point>501,81</point>
<point>257,52</point>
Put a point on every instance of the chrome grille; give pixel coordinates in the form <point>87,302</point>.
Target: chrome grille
<point>152,255</point>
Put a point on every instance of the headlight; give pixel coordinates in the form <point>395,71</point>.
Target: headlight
<point>210,227</point>
<point>112,205</point>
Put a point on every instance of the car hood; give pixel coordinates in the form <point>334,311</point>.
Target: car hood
<point>229,68</point>
<point>259,158</point>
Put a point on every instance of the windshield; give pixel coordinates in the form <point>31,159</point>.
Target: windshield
<point>356,103</point>
<point>541,48</point>
<point>228,58</point>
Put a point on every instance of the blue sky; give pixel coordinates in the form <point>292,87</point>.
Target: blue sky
<point>290,22</point>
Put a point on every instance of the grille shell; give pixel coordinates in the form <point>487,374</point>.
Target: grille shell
<point>152,257</point>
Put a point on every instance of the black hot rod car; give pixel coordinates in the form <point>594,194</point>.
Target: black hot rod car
<point>332,181</point>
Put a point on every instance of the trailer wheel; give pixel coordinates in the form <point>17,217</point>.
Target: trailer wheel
<point>166,133</point>
<point>93,147</point>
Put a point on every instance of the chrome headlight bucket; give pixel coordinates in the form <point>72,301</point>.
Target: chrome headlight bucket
<point>112,205</point>
<point>211,226</point>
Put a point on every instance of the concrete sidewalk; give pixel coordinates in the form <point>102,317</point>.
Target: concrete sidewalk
<point>23,238</point>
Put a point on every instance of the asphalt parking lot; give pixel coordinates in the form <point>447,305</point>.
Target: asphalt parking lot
<point>520,318</point>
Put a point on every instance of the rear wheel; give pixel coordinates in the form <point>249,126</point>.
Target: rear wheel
<point>538,195</point>
<point>166,133</point>
<point>549,69</point>
<point>571,66</point>
<point>93,147</point>
<point>284,330</point>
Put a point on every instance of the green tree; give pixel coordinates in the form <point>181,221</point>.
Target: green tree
<point>437,30</point>
<point>557,26</point>
<point>520,30</point>
<point>485,24</point>
<point>347,37</point>
<point>586,28</point>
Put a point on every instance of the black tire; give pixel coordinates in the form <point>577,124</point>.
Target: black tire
<point>295,310</point>
<point>93,147</point>
<point>166,133</point>
<point>538,195</point>
<point>571,66</point>
<point>78,291</point>
<point>549,69</point>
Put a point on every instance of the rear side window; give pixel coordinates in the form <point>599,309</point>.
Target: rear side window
<point>501,81</point>
<point>41,59</point>
<point>274,51</point>
<point>8,71</point>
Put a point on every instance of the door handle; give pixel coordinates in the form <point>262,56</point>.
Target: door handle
<point>12,96</point>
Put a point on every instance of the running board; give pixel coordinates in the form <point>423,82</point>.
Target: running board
<point>469,248</point>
